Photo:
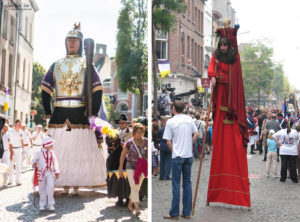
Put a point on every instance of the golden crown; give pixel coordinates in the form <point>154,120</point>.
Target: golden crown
<point>226,23</point>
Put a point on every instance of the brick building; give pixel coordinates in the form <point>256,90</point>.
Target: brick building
<point>127,103</point>
<point>184,48</point>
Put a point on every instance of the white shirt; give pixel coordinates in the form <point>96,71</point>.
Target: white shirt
<point>180,130</point>
<point>289,142</point>
<point>200,128</point>
<point>41,158</point>
<point>26,136</point>
<point>39,139</point>
<point>5,139</point>
<point>15,138</point>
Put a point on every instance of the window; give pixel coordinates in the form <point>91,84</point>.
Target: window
<point>192,10</point>
<point>195,18</point>
<point>26,27</point>
<point>188,8</point>
<point>161,47</point>
<point>199,20</point>
<point>12,31</point>
<point>192,52</point>
<point>18,69</point>
<point>201,29</point>
<point>182,47</point>
<point>201,60</point>
<point>24,73</point>
<point>30,34</point>
<point>28,77</point>
<point>5,21</point>
<point>188,48</point>
<point>10,71</point>
<point>196,56</point>
<point>122,107</point>
<point>3,65</point>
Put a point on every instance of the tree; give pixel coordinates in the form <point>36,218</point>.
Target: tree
<point>38,74</point>
<point>164,14</point>
<point>258,69</point>
<point>112,114</point>
<point>131,55</point>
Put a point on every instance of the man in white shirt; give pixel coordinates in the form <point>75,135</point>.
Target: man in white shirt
<point>6,154</point>
<point>27,144</point>
<point>37,139</point>
<point>16,148</point>
<point>181,133</point>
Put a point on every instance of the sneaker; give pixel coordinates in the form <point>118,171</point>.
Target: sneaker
<point>51,208</point>
<point>42,208</point>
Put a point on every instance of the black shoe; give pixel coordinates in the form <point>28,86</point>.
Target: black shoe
<point>168,178</point>
<point>282,180</point>
<point>161,179</point>
<point>264,160</point>
<point>295,181</point>
<point>252,153</point>
<point>120,204</point>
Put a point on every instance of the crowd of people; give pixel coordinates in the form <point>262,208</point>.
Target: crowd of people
<point>26,150</point>
<point>275,133</point>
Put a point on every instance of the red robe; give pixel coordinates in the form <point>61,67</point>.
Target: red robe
<point>228,181</point>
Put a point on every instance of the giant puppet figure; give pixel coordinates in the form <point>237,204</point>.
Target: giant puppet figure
<point>228,181</point>
<point>81,162</point>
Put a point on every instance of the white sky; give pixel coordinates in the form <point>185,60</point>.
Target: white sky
<point>55,18</point>
<point>278,21</point>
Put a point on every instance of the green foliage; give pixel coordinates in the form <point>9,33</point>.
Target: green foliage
<point>261,74</point>
<point>164,13</point>
<point>38,74</point>
<point>258,68</point>
<point>112,114</point>
<point>132,54</point>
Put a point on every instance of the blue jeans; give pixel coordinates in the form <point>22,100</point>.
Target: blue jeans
<point>181,166</point>
<point>199,141</point>
<point>165,164</point>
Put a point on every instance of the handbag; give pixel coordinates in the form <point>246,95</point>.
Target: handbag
<point>141,166</point>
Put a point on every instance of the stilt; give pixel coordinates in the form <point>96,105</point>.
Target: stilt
<point>249,208</point>
<point>207,203</point>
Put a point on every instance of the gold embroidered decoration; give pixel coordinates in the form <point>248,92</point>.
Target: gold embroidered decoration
<point>70,81</point>
<point>223,108</point>
<point>227,121</point>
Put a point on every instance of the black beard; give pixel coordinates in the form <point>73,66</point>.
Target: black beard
<point>226,57</point>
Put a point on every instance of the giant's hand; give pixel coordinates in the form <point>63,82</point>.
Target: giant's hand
<point>213,81</point>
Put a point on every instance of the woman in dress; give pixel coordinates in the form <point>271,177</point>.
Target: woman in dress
<point>135,150</point>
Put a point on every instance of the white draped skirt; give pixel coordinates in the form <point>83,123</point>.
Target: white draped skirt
<point>81,162</point>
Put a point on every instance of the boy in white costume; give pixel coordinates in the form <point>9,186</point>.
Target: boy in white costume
<point>47,169</point>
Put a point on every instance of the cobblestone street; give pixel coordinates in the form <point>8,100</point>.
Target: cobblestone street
<point>16,204</point>
<point>271,199</point>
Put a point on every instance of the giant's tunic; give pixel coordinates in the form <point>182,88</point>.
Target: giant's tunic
<point>81,162</point>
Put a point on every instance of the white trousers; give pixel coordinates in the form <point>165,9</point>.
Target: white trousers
<point>17,160</point>
<point>27,150</point>
<point>46,189</point>
<point>6,160</point>
<point>134,188</point>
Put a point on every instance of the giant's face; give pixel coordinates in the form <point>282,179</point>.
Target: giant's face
<point>224,47</point>
<point>73,45</point>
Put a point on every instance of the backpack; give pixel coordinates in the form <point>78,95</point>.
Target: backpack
<point>162,104</point>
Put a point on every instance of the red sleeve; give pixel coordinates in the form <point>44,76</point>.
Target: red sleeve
<point>211,68</point>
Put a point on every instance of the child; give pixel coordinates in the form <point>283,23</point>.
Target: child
<point>47,168</point>
<point>272,154</point>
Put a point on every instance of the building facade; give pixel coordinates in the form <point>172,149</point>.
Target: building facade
<point>184,48</point>
<point>16,59</point>
<point>127,103</point>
